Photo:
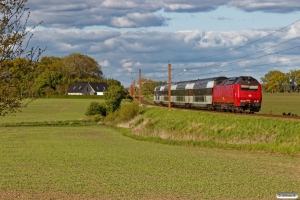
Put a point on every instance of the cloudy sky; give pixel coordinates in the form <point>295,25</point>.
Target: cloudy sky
<point>199,38</point>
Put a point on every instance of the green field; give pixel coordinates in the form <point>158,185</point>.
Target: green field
<point>51,110</point>
<point>98,162</point>
<point>277,103</point>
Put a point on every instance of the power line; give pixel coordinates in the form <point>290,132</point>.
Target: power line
<point>234,49</point>
<point>236,60</point>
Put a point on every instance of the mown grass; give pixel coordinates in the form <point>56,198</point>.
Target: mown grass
<point>51,110</point>
<point>277,103</point>
<point>220,130</point>
<point>95,162</point>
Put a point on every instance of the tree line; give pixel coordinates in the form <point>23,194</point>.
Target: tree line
<point>277,81</point>
<point>53,75</point>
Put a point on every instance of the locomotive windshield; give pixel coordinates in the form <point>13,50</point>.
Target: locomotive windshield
<point>249,87</point>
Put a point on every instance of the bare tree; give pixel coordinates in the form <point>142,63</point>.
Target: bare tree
<point>14,43</point>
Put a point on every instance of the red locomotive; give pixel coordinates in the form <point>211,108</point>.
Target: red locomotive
<point>238,94</point>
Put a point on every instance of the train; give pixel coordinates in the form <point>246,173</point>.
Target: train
<point>235,94</point>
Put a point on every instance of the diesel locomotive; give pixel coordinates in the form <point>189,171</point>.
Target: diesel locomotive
<point>235,94</point>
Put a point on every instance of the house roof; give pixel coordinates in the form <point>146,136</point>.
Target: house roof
<point>77,87</point>
<point>99,87</point>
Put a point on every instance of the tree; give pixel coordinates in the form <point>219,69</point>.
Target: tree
<point>14,40</point>
<point>81,66</point>
<point>148,85</point>
<point>113,97</point>
<point>294,79</point>
<point>47,79</point>
<point>274,81</point>
<point>50,63</point>
<point>96,108</point>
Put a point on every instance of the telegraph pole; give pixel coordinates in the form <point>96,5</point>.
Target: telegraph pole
<point>169,85</point>
<point>133,90</point>
<point>140,86</point>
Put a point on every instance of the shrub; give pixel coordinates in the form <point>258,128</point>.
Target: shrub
<point>113,98</point>
<point>128,111</point>
<point>96,108</point>
<point>112,117</point>
<point>97,118</point>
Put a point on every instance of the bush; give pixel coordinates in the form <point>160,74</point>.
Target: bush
<point>113,98</point>
<point>128,111</point>
<point>97,118</point>
<point>112,117</point>
<point>96,108</point>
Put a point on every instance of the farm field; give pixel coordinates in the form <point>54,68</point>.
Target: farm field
<point>51,110</point>
<point>99,162</point>
<point>277,103</point>
<point>96,162</point>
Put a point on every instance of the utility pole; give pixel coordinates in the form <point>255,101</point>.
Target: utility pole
<point>169,85</point>
<point>133,89</point>
<point>140,86</point>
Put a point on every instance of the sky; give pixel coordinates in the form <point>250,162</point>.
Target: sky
<point>199,38</point>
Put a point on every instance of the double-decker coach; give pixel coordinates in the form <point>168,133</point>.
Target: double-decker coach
<point>189,94</point>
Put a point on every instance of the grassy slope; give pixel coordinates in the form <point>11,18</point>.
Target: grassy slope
<point>220,130</point>
<point>97,162</point>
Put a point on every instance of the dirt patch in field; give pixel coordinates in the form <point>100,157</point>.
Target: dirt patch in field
<point>94,134</point>
<point>34,195</point>
<point>64,107</point>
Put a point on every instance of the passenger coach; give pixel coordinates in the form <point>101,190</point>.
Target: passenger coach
<point>189,94</point>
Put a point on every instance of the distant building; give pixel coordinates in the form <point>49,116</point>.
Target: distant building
<point>87,89</point>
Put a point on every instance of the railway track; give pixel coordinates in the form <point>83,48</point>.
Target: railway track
<point>144,102</point>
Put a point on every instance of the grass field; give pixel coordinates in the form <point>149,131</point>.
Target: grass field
<point>98,162</point>
<point>51,110</point>
<point>277,103</point>
<point>95,162</point>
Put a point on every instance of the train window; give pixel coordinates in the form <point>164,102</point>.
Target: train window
<point>249,87</point>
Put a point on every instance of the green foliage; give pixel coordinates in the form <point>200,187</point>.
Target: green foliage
<point>97,118</point>
<point>81,66</point>
<point>96,108</point>
<point>126,112</point>
<point>113,97</point>
<point>276,81</point>
<point>48,79</point>
<point>148,85</point>
<point>16,61</point>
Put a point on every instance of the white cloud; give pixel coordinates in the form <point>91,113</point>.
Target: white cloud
<point>136,13</point>
<point>104,63</point>
<point>122,53</point>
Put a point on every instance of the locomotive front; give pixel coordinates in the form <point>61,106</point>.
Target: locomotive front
<point>238,94</point>
<point>248,94</point>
